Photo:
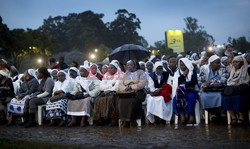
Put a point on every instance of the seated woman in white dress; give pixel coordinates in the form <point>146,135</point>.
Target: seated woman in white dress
<point>159,98</point>
<point>56,107</point>
<point>79,104</point>
<point>105,104</point>
<point>211,83</point>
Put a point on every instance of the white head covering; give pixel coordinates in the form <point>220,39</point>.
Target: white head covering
<point>74,69</point>
<point>164,61</point>
<point>52,70</point>
<point>115,61</point>
<point>32,72</point>
<point>224,58</point>
<point>157,64</point>
<point>66,75</point>
<point>189,66</point>
<point>240,76</point>
<point>213,58</point>
<point>3,73</point>
<point>116,65</point>
<point>141,63</point>
<point>163,56</point>
<point>147,63</point>
<point>86,63</point>
<point>152,57</point>
<point>179,55</point>
<point>203,53</point>
<point>193,56</point>
<point>94,64</point>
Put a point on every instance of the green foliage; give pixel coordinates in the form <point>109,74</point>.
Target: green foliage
<point>195,37</point>
<point>163,50</point>
<point>123,29</point>
<point>242,44</point>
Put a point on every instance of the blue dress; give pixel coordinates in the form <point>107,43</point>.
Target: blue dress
<point>211,99</point>
<point>190,96</point>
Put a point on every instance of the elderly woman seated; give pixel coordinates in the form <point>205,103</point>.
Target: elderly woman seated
<point>27,89</point>
<point>184,91</point>
<point>131,94</point>
<point>158,99</point>
<point>85,90</point>
<point>105,104</point>
<point>211,83</point>
<point>235,97</point>
<point>56,107</point>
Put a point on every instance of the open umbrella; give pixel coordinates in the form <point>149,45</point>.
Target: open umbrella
<point>129,52</point>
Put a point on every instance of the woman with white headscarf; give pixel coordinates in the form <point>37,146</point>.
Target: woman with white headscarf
<point>159,100</point>
<point>142,65</point>
<point>236,93</point>
<point>6,93</point>
<point>94,74</point>
<point>149,68</point>
<point>40,97</point>
<point>79,104</point>
<point>131,94</point>
<point>27,89</point>
<point>224,70</point>
<point>53,74</point>
<point>105,104</point>
<point>184,93</point>
<point>104,69</point>
<point>56,107</point>
<point>211,83</point>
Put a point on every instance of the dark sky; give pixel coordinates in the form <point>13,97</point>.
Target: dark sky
<point>221,18</point>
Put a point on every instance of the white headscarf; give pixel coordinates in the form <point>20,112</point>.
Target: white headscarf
<point>212,58</point>
<point>179,55</point>
<point>193,56</point>
<point>224,58</point>
<point>141,63</point>
<point>163,56</point>
<point>164,61</point>
<point>189,66</point>
<point>157,64</point>
<point>52,70</point>
<point>66,75</point>
<point>115,61</point>
<point>74,69</point>
<point>32,73</point>
<point>146,65</point>
<point>152,57</point>
<point>116,65</point>
<point>240,76</point>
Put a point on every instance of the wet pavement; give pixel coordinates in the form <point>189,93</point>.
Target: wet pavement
<point>148,136</point>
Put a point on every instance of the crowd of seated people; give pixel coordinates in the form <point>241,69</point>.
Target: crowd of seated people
<point>154,90</point>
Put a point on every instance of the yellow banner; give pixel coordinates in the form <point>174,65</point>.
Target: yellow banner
<point>175,40</point>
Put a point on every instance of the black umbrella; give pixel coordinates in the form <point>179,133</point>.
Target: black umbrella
<point>129,52</point>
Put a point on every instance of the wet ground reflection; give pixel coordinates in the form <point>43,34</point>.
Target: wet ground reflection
<point>147,136</point>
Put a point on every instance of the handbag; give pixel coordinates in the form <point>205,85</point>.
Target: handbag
<point>57,97</point>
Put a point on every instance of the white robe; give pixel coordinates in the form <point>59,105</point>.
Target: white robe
<point>156,105</point>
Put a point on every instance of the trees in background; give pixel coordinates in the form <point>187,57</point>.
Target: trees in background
<point>196,37</point>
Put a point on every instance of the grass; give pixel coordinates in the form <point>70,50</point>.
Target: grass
<point>20,144</point>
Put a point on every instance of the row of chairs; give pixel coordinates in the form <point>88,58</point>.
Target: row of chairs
<point>41,113</point>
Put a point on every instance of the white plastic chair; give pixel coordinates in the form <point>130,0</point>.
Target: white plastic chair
<point>229,117</point>
<point>197,114</point>
<point>40,113</point>
<point>138,121</point>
